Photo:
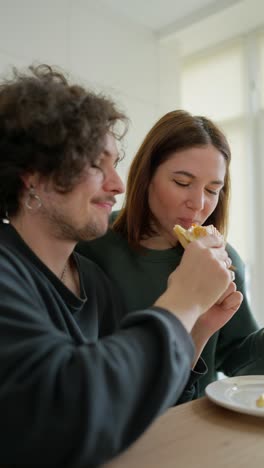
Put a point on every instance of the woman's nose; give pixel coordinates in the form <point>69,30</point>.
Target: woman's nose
<point>196,201</point>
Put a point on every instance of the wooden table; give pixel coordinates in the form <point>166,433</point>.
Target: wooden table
<point>198,434</point>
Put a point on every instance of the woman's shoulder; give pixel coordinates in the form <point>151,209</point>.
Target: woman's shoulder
<point>102,243</point>
<point>235,257</point>
<point>113,216</point>
<point>239,267</point>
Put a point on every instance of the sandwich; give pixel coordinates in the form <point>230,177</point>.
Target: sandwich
<point>185,236</point>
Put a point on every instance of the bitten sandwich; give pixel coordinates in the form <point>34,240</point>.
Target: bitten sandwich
<point>185,236</point>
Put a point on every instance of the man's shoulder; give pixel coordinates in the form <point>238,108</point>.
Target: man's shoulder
<point>10,257</point>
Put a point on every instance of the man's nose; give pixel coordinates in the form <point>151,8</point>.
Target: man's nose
<point>113,183</point>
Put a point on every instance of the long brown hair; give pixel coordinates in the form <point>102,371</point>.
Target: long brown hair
<point>175,131</point>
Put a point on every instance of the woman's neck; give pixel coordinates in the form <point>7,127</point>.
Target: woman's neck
<point>158,242</point>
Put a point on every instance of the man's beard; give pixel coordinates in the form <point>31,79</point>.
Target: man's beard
<point>62,227</point>
<point>66,231</point>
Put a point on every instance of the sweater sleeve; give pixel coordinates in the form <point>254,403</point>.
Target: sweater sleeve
<point>69,404</point>
<point>240,347</point>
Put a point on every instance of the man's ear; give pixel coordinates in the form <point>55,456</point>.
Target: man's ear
<point>30,179</point>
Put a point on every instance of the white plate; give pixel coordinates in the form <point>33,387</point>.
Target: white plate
<point>238,393</point>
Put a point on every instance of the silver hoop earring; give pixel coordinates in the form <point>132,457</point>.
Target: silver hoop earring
<point>6,219</point>
<point>33,201</point>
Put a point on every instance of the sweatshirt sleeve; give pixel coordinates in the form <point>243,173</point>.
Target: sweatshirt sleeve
<point>66,404</point>
<point>191,390</point>
<point>240,348</point>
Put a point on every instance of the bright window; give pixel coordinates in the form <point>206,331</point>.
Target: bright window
<point>212,84</point>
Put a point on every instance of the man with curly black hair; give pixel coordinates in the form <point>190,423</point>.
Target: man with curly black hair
<point>78,384</point>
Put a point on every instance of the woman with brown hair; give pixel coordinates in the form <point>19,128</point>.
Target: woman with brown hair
<point>180,175</point>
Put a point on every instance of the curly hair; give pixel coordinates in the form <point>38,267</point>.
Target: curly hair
<point>49,126</point>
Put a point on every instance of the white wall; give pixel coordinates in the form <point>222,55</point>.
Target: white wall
<point>236,20</point>
<point>169,73</point>
<point>100,49</point>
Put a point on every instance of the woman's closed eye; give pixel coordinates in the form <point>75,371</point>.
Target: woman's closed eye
<point>215,191</point>
<point>182,184</point>
<point>187,184</point>
<point>212,192</point>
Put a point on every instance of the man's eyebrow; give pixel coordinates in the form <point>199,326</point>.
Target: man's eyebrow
<point>109,154</point>
<point>191,176</point>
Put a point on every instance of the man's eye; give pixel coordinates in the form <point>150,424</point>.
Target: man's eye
<point>97,170</point>
<point>96,166</point>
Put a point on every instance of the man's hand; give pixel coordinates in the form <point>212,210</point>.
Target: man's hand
<point>199,282</point>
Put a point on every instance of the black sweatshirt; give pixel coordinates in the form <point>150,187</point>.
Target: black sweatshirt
<point>77,386</point>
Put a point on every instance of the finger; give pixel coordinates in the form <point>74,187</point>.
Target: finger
<point>228,262</point>
<point>211,229</point>
<point>230,290</point>
<point>233,301</point>
<point>211,240</point>
<point>233,275</point>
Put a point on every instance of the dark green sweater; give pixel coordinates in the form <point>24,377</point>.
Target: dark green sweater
<point>237,349</point>
<point>75,389</point>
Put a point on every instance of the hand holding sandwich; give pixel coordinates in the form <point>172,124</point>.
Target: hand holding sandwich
<point>200,281</point>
